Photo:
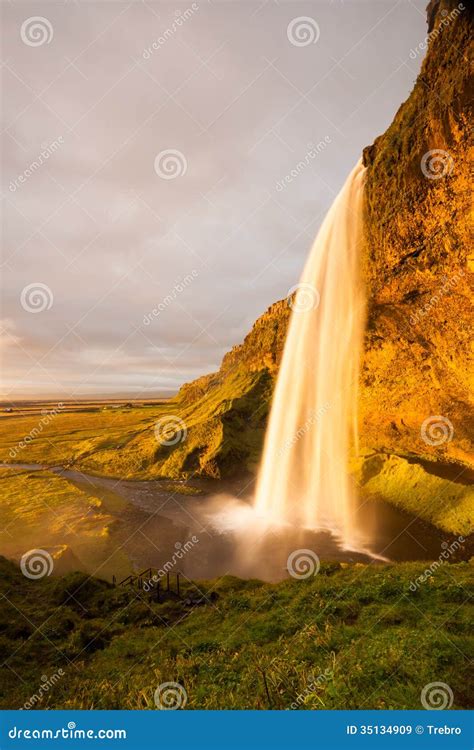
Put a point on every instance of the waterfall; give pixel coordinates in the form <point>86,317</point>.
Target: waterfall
<point>303,478</point>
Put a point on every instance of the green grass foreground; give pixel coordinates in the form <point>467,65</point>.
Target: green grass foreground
<point>352,637</point>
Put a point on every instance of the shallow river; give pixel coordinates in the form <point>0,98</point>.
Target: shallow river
<point>217,532</point>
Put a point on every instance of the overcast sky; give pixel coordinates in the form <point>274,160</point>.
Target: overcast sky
<point>100,230</point>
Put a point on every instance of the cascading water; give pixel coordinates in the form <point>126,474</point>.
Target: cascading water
<point>303,479</point>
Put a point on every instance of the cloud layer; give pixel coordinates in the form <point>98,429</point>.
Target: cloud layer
<point>263,130</point>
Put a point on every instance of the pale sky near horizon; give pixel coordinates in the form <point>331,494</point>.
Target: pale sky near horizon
<point>99,234</point>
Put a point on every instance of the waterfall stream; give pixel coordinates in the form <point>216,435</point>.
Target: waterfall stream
<point>303,478</point>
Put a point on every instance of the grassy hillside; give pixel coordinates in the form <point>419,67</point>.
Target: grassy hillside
<point>218,433</point>
<point>350,637</point>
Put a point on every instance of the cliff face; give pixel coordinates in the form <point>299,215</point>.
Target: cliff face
<point>417,359</point>
<point>414,396</point>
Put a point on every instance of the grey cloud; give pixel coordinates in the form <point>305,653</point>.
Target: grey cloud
<point>111,238</point>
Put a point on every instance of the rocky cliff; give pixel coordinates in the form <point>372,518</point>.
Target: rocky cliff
<point>417,362</point>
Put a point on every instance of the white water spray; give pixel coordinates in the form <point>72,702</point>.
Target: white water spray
<point>303,479</point>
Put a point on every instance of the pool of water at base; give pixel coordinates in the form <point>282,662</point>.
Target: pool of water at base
<point>216,532</point>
